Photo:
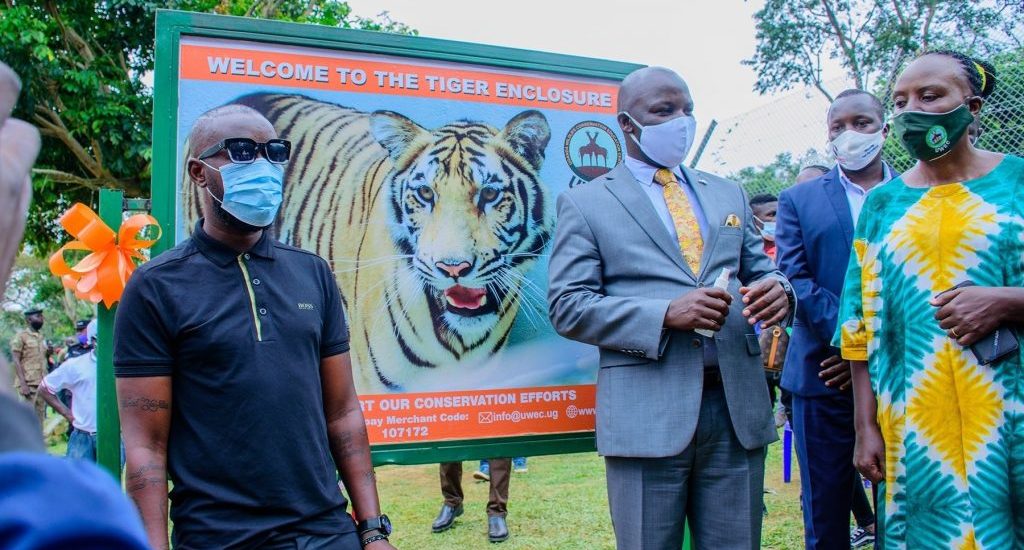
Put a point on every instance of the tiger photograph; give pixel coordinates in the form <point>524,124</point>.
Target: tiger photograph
<point>430,232</point>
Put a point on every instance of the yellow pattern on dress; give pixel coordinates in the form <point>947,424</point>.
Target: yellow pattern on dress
<point>891,418</point>
<point>956,407</point>
<point>939,239</point>
<point>691,242</point>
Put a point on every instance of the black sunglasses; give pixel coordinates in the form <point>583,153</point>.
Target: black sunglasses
<point>245,150</point>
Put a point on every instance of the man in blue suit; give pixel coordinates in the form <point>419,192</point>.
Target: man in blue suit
<point>816,220</point>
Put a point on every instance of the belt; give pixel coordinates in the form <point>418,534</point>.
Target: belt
<point>712,378</point>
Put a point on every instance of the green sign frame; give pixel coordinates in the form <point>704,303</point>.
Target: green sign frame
<point>172,25</point>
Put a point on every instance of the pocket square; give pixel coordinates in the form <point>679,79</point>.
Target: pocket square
<point>732,220</point>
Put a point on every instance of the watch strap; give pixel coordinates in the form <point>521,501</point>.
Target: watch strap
<point>369,525</point>
<point>378,523</point>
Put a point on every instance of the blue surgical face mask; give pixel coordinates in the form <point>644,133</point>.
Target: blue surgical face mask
<point>83,339</point>
<point>768,230</point>
<point>252,192</point>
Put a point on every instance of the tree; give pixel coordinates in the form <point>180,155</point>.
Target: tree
<point>771,179</point>
<point>83,66</point>
<point>1002,116</point>
<point>871,39</point>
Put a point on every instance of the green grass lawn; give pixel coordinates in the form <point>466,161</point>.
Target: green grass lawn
<point>560,503</point>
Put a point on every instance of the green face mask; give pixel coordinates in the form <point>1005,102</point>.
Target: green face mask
<point>928,136</point>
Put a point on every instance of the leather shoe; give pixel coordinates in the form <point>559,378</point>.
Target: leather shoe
<point>446,517</point>
<point>497,530</point>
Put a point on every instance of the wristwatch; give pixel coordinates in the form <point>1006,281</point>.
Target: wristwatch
<point>791,297</point>
<point>380,523</point>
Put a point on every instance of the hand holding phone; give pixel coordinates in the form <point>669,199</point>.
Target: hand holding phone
<point>970,318</point>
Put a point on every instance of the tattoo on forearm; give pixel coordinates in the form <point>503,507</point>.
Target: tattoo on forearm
<point>344,444</point>
<point>367,484</point>
<point>348,443</point>
<point>140,484</point>
<point>145,404</point>
<point>145,476</point>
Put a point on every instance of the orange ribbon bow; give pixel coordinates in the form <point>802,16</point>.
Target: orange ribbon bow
<point>102,274</point>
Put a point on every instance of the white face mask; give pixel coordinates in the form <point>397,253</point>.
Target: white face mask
<point>667,143</point>
<point>854,150</point>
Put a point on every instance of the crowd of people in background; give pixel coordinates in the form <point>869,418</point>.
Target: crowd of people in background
<point>871,312</point>
<point>34,358</point>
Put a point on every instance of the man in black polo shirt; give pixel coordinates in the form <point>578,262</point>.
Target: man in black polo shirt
<point>233,370</point>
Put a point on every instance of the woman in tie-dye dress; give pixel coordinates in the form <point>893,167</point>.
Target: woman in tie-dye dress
<point>941,435</point>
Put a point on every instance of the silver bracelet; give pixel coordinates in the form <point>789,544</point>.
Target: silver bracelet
<point>366,542</point>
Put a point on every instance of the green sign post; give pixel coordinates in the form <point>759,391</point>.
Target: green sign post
<point>108,424</point>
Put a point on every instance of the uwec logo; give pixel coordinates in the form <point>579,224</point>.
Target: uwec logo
<point>591,150</point>
<point>937,138</point>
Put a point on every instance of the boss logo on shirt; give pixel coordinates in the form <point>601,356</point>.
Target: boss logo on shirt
<point>305,306</point>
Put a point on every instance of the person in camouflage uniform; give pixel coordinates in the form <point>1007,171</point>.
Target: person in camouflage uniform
<point>29,351</point>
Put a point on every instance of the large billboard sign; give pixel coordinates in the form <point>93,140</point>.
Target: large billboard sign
<point>425,172</point>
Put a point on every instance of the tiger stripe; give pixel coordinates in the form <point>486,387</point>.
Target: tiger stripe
<point>351,194</point>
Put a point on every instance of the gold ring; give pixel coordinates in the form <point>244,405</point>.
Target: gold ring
<point>955,335</point>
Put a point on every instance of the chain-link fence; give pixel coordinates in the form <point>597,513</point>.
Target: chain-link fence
<point>765,148</point>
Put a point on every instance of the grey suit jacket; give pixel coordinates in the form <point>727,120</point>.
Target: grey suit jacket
<point>614,269</point>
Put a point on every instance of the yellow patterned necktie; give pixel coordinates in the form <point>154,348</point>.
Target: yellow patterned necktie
<point>691,243</point>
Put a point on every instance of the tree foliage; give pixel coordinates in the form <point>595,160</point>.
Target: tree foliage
<point>1002,116</point>
<point>84,66</point>
<point>771,179</point>
<point>872,38</point>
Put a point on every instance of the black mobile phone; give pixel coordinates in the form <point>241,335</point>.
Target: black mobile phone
<point>994,346</point>
<point>998,345</point>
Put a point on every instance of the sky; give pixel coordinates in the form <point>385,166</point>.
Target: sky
<point>702,40</point>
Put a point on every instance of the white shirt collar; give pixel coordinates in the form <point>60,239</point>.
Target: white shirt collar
<point>644,173</point>
<point>851,187</point>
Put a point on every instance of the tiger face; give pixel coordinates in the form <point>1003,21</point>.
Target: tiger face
<point>468,212</point>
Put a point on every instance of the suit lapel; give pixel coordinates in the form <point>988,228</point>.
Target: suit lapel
<point>627,190</point>
<point>837,196</point>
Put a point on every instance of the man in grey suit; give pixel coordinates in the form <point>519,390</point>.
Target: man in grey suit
<point>682,419</point>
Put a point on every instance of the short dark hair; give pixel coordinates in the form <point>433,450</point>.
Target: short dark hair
<point>981,75</point>
<point>763,198</point>
<point>823,169</point>
<point>857,91</point>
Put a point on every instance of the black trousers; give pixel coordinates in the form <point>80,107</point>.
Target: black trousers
<point>861,505</point>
